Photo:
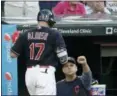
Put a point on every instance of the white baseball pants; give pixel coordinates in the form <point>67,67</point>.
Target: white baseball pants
<point>40,83</point>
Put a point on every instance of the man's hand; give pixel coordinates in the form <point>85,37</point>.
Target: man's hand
<point>82,60</point>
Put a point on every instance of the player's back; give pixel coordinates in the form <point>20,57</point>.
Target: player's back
<point>39,46</point>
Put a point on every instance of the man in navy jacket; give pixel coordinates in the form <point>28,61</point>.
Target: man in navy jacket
<point>74,85</point>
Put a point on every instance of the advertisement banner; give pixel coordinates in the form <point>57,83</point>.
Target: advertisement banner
<point>79,30</point>
<point>9,65</point>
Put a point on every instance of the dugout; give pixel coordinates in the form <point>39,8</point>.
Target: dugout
<point>76,46</point>
<point>101,55</point>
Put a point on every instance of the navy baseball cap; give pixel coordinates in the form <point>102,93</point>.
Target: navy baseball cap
<point>72,60</point>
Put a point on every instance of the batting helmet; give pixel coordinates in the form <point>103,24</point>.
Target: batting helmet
<point>47,16</point>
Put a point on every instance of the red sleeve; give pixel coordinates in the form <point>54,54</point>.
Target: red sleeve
<point>58,9</point>
<point>83,9</point>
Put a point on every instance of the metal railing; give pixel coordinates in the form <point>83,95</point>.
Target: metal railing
<point>64,20</point>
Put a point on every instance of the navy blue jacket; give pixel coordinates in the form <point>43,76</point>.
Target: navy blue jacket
<point>79,87</point>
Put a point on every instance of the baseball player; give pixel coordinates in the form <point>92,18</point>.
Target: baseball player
<point>43,47</point>
<point>74,85</point>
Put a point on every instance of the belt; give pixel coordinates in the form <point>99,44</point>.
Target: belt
<point>41,66</point>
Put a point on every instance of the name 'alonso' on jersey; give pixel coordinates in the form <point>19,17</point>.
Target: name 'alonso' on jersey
<point>39,46</point>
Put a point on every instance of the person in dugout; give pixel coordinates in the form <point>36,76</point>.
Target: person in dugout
<point>74,85</point>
